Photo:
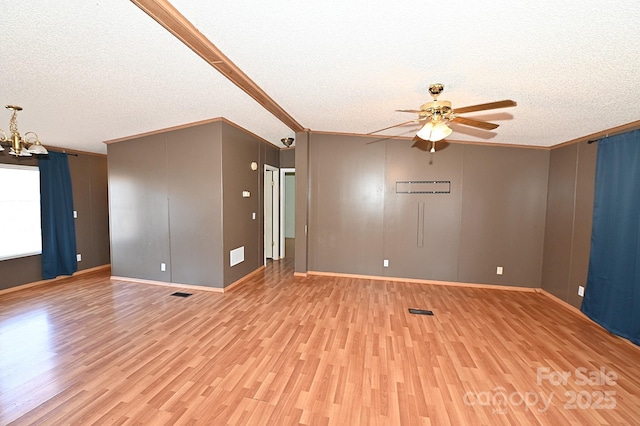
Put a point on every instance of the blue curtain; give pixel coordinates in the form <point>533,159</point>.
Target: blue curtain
<point>58,227</point>
<point>612,294</point>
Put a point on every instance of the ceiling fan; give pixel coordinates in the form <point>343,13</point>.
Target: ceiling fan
<point>436,114</point>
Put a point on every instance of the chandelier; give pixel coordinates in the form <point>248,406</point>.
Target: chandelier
<point>20,146</point>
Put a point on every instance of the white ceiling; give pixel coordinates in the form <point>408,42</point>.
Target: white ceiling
<point>86,72</point>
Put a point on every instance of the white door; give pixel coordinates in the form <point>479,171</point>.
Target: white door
<point>271,213</point>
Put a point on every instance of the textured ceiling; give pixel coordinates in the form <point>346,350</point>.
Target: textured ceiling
<point>86,72</point>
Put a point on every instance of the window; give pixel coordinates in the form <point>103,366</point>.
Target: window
<point>20,211</point>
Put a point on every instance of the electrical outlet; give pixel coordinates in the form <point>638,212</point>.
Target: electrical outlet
<point>580,291</point>
<point>499,270</point>
<point>79,257</point>
<point>385,263</point>
<point>163,267</point>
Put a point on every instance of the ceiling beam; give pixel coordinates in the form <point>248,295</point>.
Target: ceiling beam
<point>173,21</point>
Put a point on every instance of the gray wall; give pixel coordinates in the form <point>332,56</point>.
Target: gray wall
<point>195,194</point>
<point>493,216</point>
<point>176,198</point>
<point>91,202</point>
<point>139,208</point>
<point>89,181</point>
<point>288,157</point>
<point>569,219</point>
<point>239,149</point>
<point>503,215</point>
<point>302,201</point>
<point>438,227</point>
<point>269,154</point>
<point>289,205</point>
<point>346,206</point>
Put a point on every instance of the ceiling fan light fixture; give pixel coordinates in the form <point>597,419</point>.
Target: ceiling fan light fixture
<point>440,131</point>
<point>434,132</point>
<point>425,132</point>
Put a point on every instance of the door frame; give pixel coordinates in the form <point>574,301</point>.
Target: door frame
<point>275,217</point>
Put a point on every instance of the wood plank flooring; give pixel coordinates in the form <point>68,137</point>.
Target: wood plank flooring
<point>279,350</point>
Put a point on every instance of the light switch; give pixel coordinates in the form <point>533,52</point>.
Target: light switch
<point>246,194</point>
<point>79,257</point>
<point>75,214</point>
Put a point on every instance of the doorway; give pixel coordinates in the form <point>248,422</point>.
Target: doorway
<point>271,213</point>
<point>287,212</point>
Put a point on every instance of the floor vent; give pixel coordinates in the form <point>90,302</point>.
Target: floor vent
<point>180,294</point>
<point>420,311</point>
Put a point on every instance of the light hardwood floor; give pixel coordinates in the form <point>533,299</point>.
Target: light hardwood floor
<point>279,350</point>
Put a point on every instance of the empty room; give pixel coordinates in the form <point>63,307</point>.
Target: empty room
<point>319,213</point>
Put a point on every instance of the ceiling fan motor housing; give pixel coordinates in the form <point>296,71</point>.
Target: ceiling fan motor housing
<point>435,109</point>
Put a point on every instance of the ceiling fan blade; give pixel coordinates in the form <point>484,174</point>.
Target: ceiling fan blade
<point>474,123</point>
<point>481,107</point>
<point>395,125</point>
